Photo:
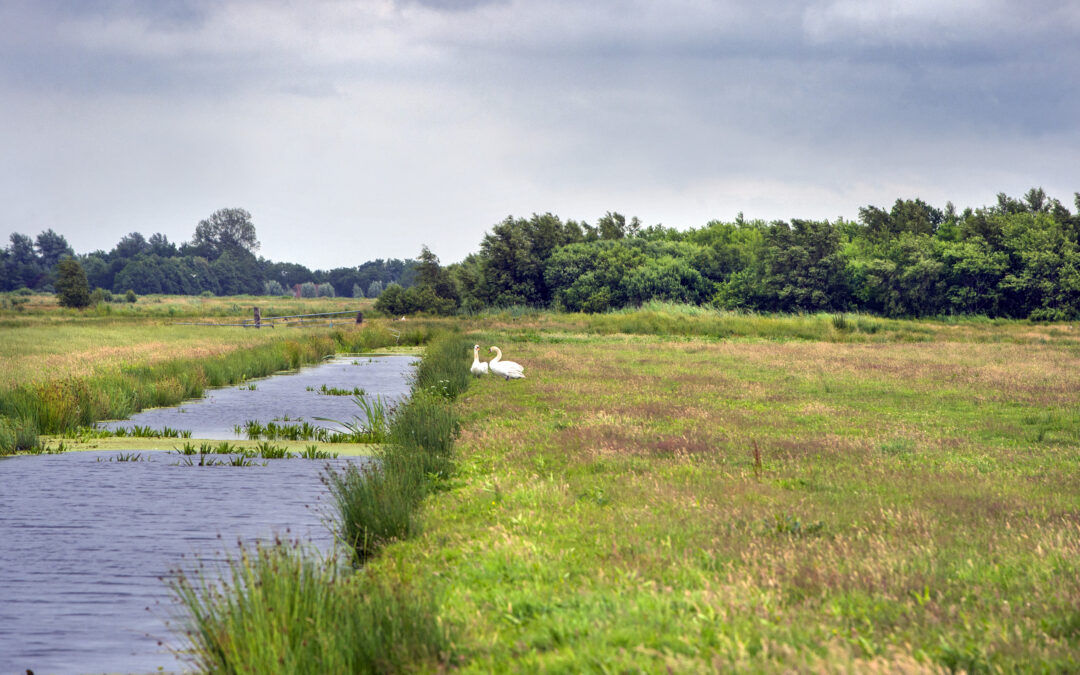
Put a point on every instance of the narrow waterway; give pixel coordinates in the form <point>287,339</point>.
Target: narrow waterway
<point>85,540</point>
<point>296,397</point>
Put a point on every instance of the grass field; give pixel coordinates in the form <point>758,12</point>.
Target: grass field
<point>681,490</point>
<point>63,369</point>
<point>655,502</point>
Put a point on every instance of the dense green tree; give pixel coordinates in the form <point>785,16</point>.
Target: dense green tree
<point>392,301</point>
<point>51,247</point>
<point>906,280</point>
<point>973,273</point>
<point>129,246</point>
<point>803,268</point>
<point>159,245</point>
<point>590,276</point>
<point>1041,279</point>
<point>668,279</point>
<point>226,231</point>
<point>71,287</point>
<point>513,258</point>
<point>24,269</point>
<point>97,270</point>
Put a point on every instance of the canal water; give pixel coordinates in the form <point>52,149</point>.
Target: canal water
<point>296,397</point>
<point>85,540</point>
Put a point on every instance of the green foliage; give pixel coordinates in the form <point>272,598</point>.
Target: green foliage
<point>100,295</point>
<point>377,504</point>
<point>283,609</point>
<point>225,231</point>
<point>273,287</point>
<point>1018,259</point>
<point>72,289</point>
<point>434,292</point>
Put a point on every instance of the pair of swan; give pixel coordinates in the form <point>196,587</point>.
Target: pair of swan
<point>505,369</point>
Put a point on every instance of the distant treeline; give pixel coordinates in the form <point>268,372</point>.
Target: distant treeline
<point>220,259</point>
<point>1018,258</point>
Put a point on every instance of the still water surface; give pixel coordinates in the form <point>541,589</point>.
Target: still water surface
<point>84,541</point>
<point>295,396</point>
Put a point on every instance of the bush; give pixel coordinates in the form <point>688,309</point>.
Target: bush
<point>273,287</point>
<point>130,296</point>
<point>325,290</point>
<point>72,287</point>
<point>309,290</point>
<point>100,295</point>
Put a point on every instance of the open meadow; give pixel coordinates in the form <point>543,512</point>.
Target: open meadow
<point>680,490</point>
<point>898,500</point>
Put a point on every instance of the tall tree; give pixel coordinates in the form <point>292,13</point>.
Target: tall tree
<point>23,266</point>
<point>129,246</point>
<point>226,230</point>
<point>51,247</point>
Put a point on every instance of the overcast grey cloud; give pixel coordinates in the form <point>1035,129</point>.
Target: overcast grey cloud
<point>355,130</point>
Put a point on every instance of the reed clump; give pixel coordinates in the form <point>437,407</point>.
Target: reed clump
<point>284,609</point>
<point>377,505</point>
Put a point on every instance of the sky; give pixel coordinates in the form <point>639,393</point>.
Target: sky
<point>363,129</point>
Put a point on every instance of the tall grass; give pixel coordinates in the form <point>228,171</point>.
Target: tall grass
<point>376,506</point>
<point>284,609</point>
<point>68,403</point>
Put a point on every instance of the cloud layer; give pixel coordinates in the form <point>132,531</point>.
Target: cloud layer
<point>354,130</point>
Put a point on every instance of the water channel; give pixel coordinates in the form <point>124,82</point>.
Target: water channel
<point>85,540</point>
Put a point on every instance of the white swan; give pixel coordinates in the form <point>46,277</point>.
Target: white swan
<point>505,369</point>
<point>478,367</point>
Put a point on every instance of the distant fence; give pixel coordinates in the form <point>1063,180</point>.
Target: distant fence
<point>259,321</point>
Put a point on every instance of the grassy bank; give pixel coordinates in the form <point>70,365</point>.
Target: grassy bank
<point>59,375</point>
<point>283,609</point>
<point>693,504</point>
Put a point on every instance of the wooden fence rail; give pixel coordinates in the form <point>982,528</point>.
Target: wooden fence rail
<point>258,321</point>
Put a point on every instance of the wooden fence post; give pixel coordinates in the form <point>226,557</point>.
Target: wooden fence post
<point>258,318</point>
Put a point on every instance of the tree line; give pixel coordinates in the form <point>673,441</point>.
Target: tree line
<point>220,259</point>
<point>1018,258</point>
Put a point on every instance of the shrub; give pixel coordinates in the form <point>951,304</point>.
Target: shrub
<point>309,290</point>
<point>273,287</point>
<point>72,287</point>
<point>130,296</point>
<point>325,290</point>
<point>100,295</point>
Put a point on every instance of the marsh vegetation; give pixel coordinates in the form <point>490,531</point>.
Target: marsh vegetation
<point>687,488</point>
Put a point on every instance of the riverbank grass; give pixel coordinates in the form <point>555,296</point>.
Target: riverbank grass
<point>663,503</point>
<point>285,609</point>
